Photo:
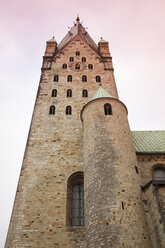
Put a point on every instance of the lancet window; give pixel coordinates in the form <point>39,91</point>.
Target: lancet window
<point>85,93</point>
<point>52,110</point>
<point>68,110</point>
<point>69,79</point>
<point>98,79</point>
<point>107,109</point>
<point>77,53</point>
<point>83,59</point>
<point>69,93</point>
<point>56,78</point>
<point>54,93</point>
<point>71,59</point>
<point>75,200</point>
<point>64,66</point>
<point>90,66</point>
<point>84,78</point>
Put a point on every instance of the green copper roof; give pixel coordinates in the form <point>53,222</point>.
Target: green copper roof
<point>101,93</point>
<point>149,141</point>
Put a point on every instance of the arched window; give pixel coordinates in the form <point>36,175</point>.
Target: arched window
<point>98,79</point>
<point>77,53</point>
<point>64,66</point>
<point>83,59</point>
<point>69,78</point>
<point>77,66</point>
<point>159,174</point>
<point>90,66</point>
<point>75,200</point>
<point>69,93</point>
<point>54,93</point>
<point>56,77</point>
<point>107,109</point>
<point>52,110</point>
<point>71,59</point>
<point>68,110</point>
<point>84,78</point>
<point>85,93</point>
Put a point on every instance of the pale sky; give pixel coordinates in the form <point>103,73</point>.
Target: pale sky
<point>135,30</point>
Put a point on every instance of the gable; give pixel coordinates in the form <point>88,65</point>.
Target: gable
<point>73,42</point>
<point>78,29</point>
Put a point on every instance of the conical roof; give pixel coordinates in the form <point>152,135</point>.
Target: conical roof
<point>100,93</point>
<point>78,29</point>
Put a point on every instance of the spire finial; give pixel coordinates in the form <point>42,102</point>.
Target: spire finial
<point>78,18</point>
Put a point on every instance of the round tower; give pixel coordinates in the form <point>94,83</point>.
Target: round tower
<point>114,213</point>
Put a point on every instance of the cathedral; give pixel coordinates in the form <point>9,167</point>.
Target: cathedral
<point>87,180</point>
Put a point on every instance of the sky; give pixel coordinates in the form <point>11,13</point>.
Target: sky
<point>135,30</point>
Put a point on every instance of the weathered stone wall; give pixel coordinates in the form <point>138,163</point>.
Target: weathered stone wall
<point>147,163</point>
<point>113,200</point>
<point>153,197</point>
<point>54,152</point>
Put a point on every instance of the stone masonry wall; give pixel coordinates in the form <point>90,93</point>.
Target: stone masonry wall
<point>54,152</point>
<point>113,199</point>
<point>153,197</point>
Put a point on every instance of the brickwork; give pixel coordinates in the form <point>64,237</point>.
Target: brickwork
<point>60,145</point>
<point>153,197</point>
<point>54,151</point>
<point>114,211</point>
<point>146,165</point>
<point>155,214</point>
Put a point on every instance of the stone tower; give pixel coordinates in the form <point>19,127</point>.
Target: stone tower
<point>63,152</point>
<point>113,206</point>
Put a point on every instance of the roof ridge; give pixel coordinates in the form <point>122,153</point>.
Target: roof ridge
<point>77,28</point>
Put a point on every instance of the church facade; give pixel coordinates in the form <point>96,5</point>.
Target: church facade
<point>86,180</point>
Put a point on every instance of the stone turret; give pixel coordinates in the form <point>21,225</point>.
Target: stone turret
<point>103,48</point>
<point>51,46</point>
<point>114,211</point>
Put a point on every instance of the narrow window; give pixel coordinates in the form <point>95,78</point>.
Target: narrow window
<point>71,59</point>
<point>122,204</point>
<point>69,78</point>
<point>75,200</point>
<point>85,93</point>
<point>83,59</point>
<point>69,93</point>
<point>90,66</point>
<point>54,93</point>
<point>136,169</point>
<point>77,53</point>
<point>52,110</point>
<point>159,174</point>
<point>56,77</point>
<point>68,110</point>
<point>84,78</point>
<point>64,66</point>
<point>77,66</point>
<point>98,79</point>
<point>107,109</point>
